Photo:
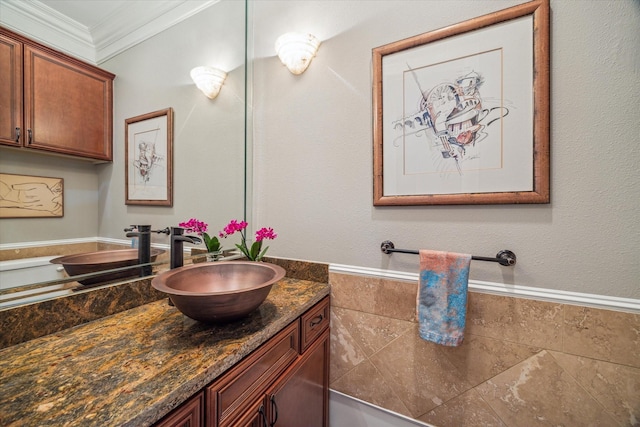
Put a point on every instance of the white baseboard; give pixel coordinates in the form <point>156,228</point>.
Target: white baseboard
<point>565,297</point>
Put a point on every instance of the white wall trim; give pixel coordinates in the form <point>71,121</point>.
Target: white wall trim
<point>504,289</point>
<point>126,242</point>
<point>25,245</point>
<point>108,240</point>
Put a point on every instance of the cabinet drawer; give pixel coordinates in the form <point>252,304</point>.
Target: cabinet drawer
<point>314,322</point>
<point>244,383</point>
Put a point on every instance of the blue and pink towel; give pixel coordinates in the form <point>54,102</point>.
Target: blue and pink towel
<point>442,296</point>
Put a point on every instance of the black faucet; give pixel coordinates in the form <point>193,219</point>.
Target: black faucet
<point>177,242</point>
<point>143,234</point>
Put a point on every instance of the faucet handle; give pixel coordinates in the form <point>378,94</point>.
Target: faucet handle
<point>176,231</point>
<point>165,230</point>
<point>130,228</point>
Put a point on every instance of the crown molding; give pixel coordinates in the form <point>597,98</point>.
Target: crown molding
<point>124,28</point>
<point>49,27</point>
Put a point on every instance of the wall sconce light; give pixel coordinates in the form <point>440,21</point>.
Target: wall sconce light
<point>209,80</point>
<point>296,50</point>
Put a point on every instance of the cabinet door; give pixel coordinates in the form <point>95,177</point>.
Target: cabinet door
<point>68,106</point>
<point>301,396</point>
<point>10,91</point>
<point>189,414</point>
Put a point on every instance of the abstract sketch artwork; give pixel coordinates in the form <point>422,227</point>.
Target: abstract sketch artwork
<point>23,196</point>
<point>148,159</point>
<point>453,118</point>
<point>461,112</point>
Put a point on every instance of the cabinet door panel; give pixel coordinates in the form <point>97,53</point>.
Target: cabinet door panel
<point>301,397</point>
<point>10,90</point>
<point>67,106</point>
<point>230,396</point>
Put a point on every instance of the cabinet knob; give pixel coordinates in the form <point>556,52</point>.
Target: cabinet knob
<point>316,320</point>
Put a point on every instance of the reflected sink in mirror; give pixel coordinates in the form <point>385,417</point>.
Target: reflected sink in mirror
<point>218,292</point>
<point>93,262</point>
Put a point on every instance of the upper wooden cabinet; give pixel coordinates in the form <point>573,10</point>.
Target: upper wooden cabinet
<point>11,117</point>
<point>52,102</point>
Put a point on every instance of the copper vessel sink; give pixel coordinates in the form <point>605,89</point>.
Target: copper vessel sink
<point>216,292</point>
<point>93,262</point>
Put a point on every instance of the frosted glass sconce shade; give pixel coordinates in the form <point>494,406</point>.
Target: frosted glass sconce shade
<point>296,50</point>
<point>209,80</point>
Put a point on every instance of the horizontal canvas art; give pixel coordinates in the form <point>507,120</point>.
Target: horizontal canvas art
<point>25,196</point>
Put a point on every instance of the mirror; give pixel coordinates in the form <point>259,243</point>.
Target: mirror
<point>209,148</point>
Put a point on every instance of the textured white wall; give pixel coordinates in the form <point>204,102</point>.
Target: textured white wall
<point>313,148</point>
<point>80,198</point>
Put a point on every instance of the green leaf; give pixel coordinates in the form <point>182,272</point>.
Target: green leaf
<point>212,243</point>
<point>255,250</point>
<point>243,249</point>
<point>262,254</point>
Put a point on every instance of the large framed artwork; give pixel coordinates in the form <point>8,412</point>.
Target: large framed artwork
<point>27,196</point>
<point>149,159</point>
<point>461,114</point>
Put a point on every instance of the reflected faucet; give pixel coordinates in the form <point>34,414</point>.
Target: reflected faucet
<point>177,243</point>
<point>143,233</point>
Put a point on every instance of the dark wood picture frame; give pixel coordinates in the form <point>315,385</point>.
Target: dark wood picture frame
<point>149,159</point>
<point>539,182</point>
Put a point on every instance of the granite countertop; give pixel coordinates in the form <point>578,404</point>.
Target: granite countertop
<point>134,367</point>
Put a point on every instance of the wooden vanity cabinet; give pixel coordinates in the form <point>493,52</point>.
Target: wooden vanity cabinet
<point>52,102</point>
<point>285,383</point>
<point>280,384</point>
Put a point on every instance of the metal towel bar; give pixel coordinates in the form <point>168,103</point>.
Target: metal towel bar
<point>504,257</point>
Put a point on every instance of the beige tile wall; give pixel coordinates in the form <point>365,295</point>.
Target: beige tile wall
<point>523,362</point>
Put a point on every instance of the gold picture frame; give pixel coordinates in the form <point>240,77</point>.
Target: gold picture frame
<point>461,114</point>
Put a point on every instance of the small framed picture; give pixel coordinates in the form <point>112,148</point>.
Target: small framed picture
<point>149,158</point>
